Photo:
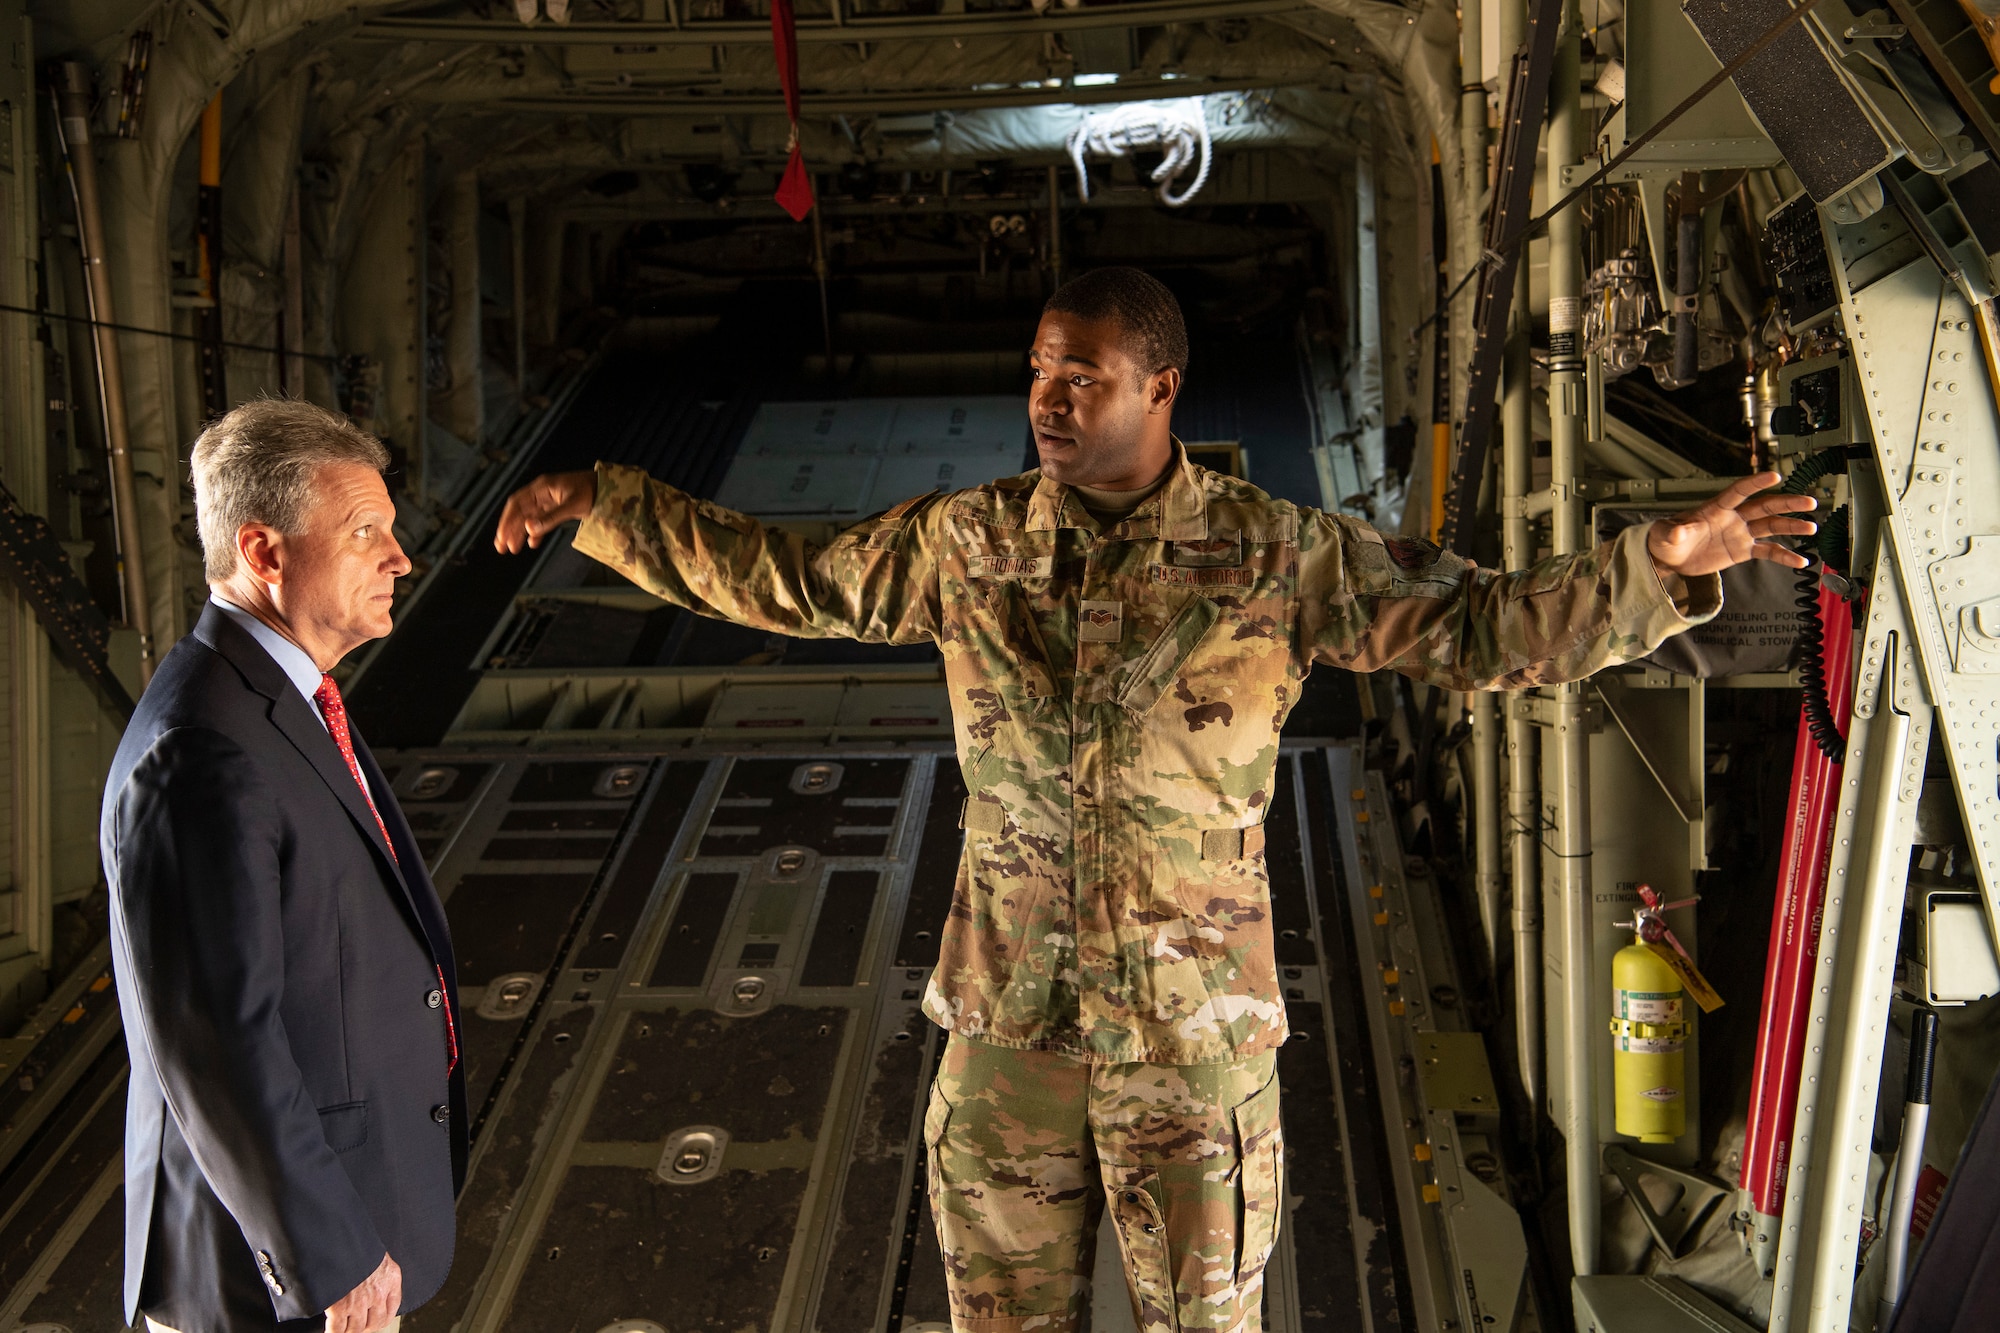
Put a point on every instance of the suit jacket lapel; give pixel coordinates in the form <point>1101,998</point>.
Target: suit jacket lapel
<point>293,716</point>
<point>296,720</point>
<point>415,879</point>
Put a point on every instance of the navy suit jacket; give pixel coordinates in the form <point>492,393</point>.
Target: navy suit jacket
<point>290,1118</point>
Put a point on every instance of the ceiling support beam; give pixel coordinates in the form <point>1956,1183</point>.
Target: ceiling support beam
<point>860,102</point>
<point>842,28</point>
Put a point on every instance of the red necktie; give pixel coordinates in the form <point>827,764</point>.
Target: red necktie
<point>327,696</point>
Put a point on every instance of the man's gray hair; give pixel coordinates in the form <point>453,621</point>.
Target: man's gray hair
<point>257,464</point>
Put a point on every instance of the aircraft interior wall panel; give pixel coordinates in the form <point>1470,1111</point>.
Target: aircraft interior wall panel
<point>843,460</point>
<point>1629,846</point>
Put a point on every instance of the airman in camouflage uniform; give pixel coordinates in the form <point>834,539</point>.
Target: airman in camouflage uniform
<point>1108,973</point>
<point>1116,697</point>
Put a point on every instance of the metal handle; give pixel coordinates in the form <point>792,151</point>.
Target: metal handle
<point>1909,1160</point>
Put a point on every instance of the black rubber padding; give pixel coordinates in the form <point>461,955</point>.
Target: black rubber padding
<point>1923,1056</point>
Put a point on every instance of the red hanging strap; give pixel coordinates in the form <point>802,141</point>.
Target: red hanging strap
<point>785,45</point>
<point>794,193</point>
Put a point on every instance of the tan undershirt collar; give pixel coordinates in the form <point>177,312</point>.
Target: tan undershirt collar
<point>1108,507</point>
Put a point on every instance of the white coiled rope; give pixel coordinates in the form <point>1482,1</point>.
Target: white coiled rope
<point>1179,129</point>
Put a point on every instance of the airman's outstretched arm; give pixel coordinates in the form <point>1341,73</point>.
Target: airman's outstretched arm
<point>877,581</point>
<point>1373,602</point>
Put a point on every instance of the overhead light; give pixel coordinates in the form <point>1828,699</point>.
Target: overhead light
<point>1095,80</point>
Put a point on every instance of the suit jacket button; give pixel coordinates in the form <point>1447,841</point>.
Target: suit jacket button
<point>434,999</point>
<point>440,1113</point>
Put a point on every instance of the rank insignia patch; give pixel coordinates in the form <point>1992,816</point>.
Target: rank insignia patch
<point>1100,622</point>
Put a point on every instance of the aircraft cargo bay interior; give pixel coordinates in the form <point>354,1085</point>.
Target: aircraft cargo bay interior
<point>1623,943</point>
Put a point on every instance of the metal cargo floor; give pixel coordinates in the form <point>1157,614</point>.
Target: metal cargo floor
<point>660,946</point>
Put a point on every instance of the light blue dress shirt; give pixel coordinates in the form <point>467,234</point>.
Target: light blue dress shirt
<point>291,658</point>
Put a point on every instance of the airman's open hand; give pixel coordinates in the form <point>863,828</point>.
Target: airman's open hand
<point>1735,526</point>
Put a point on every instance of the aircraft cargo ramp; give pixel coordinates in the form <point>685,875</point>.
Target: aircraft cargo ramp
<point>695,879</point>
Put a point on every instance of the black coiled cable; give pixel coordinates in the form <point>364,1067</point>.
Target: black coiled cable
<point>1812,631</point>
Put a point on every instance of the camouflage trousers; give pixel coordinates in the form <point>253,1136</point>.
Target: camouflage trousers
<point>1028,1148</point>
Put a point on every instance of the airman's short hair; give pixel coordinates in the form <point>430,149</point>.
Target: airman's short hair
<point>1155,333</point>
<point>257,464</point>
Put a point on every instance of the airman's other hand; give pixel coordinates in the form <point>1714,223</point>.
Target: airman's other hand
<point>1735,526</point>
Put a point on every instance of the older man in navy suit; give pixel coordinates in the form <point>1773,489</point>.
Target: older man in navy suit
<point>295,1133</point>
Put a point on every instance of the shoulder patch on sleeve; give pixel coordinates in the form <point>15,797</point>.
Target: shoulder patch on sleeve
<point>1412,553</point>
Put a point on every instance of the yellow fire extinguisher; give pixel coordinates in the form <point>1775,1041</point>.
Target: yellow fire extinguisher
<point>1651,980</point>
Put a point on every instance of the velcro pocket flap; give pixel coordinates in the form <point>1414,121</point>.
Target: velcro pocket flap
<point>980,815</point>
<point>1232,844</point>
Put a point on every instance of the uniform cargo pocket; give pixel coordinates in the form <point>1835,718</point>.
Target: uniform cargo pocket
<point>1260,1142</point>
<point>345,1126</point>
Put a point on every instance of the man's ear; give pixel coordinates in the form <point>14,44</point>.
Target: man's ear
<point>259,547</point>
<point>1162,389</point>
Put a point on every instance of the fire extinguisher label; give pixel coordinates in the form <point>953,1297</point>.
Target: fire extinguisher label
<point>1662,1094</point>
<point>1649,1006</point>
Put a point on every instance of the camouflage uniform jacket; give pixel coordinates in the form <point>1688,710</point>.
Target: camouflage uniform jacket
<point>1117,695</point>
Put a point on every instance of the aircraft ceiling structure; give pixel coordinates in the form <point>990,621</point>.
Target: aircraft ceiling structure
<point>670,110</point>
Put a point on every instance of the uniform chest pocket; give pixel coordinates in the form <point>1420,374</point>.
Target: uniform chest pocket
<point>1019,638</point>
<point>1154,671</point>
